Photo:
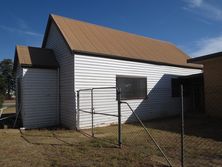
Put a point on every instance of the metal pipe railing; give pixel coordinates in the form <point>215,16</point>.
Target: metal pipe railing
<point>92,110</point>
<point>182,127</point>
<point>78,109</point>
<point>104,88</point>
<point>112,115</point>
<point>89,112</point>
<point>7,117</point>
<point>119,118</point>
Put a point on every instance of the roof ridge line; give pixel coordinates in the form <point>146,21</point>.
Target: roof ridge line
<point>114,29</point>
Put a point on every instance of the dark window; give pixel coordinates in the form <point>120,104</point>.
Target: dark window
<point>175,87</point>
<point>132,87</point>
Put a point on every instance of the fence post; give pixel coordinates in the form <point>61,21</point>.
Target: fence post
<point>182,127</point>
<point>119,119</point>
<point>92,112</point>
<point>78,112</point>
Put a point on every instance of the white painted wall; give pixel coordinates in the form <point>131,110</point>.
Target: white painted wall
<point>66,62</point>
<point>93,72</point>
<point>39,98</point>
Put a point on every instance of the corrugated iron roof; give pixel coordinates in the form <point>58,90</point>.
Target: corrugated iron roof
<point>35,57</point>
<point>84,37</point>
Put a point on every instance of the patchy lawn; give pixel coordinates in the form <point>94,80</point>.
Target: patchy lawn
<point>203,145</point>
<point>62,148</point>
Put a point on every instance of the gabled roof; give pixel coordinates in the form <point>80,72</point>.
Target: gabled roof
<point>34,57</point>
<point>86,38</point>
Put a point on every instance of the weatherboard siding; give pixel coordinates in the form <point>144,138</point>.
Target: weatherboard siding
<point>39,98</point>
<point>66,62</point>
<point>91,72</point>
<point>19,71</point>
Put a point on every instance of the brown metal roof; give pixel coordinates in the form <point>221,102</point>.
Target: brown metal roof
<point>84,37</point>
<point>35,57</point>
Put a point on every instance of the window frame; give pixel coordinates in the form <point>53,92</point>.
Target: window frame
<point>133,77</point>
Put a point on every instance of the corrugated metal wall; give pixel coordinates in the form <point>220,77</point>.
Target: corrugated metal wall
<point>39,98</point>
<point>101,72</point>
<point>66,62</point>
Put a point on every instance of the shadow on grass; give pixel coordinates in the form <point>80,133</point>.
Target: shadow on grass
<point>101,142</point>
<point>198,125</point>
<point>53,139</point>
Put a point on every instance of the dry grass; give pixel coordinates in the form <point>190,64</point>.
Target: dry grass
<point>203,140</point>
<point>71,148</point>
<point>10,104</point>
<point>10,110</point>
<point>62,148</point>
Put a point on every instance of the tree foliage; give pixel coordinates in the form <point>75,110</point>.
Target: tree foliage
<point>2,90</point>
<point>7,82</point>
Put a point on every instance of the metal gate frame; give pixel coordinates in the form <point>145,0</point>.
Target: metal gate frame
<point>118,98</point>
<point>92,112</point>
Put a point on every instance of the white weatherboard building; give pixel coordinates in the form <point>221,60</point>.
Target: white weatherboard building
<point>77,55</point>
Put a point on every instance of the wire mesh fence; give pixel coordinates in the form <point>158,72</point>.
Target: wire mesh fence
<point>160,113</point>
<point>203,137</point>
<point>200,148</point>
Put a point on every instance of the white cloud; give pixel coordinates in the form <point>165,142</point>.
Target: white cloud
<point>205,9</point>
<point>20,31</point>
<point>207,46</point>
<point>18,21</point>
<point>20,26</point>
<point>22,23</point>
<point>195,3</point>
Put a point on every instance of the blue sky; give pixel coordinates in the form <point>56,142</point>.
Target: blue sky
<point>195,26</point>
